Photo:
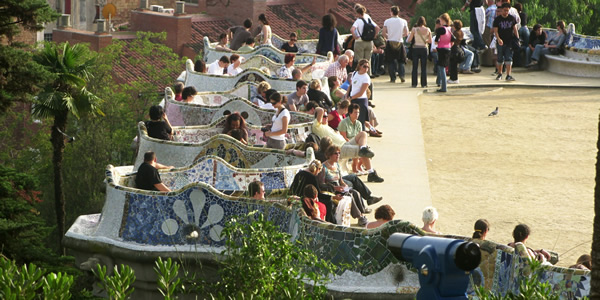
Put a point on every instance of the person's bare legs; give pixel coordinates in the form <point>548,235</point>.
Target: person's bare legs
<point>508,69</point>
<point>366,162</point>
<point>361,139</point>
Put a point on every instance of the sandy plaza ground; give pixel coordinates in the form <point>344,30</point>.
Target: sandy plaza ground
<point>534,163</point>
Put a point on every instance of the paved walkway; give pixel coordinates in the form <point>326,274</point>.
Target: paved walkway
<point>400,154</point>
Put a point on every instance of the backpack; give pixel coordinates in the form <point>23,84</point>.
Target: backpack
<point>313,138</point>
<point>368,33</point>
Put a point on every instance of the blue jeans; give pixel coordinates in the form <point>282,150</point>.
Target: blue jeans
<point>477,39</point>
<point>419,54</point>
<point>505,53</point>
<point>434,58</point>
<point>392,68</point>
<point>539,51</point>
<point>466,64</point>
<point>441,78</point>
<point>528,53</point>
<point>524,35</point>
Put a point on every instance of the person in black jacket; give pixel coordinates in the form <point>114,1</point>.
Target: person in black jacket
<point>159,127</point>
<point>309,176</point>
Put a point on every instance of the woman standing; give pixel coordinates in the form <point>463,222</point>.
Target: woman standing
<point>443,40</point>
<point>420,36</point>
<point>359,84</point>
<point>328,36</point>
<point>458,35</point>
<point>279,127</point>
<point>265,33</point>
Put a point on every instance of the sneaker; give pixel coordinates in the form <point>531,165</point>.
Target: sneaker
<point>366,152</point>
<point>440,91</point>
<point>368,210</point>
<point>476,70</point>
<point>499,77</point>
<point>373,177</point>
<point>402,79</point>
<point>467,72</point>
<point>371,104</point>
<point>393,81</point>
<point>362,221</point>
<point>533,63</point>
<point>374,134</point>
<point>509,78</point>
<point>453,81</point>
<point>374,200</point>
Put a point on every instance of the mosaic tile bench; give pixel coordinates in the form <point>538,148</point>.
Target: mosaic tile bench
<point>189,114</point>
<point>501,269</point>
<point>304,46</point>
<point>196,134</point>
<point>219,83</point>
<point>163,224</point>
<point>180,154</point>
<point>246,91</point>
<point>276,55</point>
<point>226,178</point>
<point>259,61</point>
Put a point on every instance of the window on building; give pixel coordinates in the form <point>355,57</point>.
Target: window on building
<point>48,37</point>
<point>194,2</point>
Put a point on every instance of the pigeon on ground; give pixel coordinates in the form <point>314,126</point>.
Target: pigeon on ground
<point>494,113</point>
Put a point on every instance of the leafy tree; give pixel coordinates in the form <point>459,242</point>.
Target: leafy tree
<point>264,263</point>
<point>22,230</point>
<point>20,77</point>
<point>66,95</point>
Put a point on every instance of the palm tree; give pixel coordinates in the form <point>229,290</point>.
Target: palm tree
<point>66,95</point>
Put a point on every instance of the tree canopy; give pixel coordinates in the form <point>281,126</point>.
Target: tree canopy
<point>20,76</point>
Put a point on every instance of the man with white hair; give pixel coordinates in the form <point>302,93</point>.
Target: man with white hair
<point>351,65</point>
<point>338,68</point>
<point>430,215</point>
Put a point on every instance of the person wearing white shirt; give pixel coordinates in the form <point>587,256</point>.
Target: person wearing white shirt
<point>359,84</point>
<point>395,29</point>
<point>217,67</point>
<point>234,66</point>
<point>362,49</point>
<point>279,127</point>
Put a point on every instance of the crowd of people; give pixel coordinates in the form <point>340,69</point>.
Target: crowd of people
<point>344,117</point>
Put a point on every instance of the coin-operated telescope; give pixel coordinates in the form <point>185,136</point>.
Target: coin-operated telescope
<point>443,264</point>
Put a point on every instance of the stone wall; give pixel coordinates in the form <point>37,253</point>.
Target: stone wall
<point>178,28</point>
<point>73,36</point>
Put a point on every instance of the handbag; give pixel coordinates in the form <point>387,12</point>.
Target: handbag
<point>409,51</point>
<point>457,54</point>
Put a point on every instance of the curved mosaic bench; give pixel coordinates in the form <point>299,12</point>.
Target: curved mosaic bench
<point>189,114</point>
<point>196,134</point>
<point>259,61</point>
<point>581,57</point>
<point>230,180</point>
<point>502,267</point>
<point>276,55</point>
<point>304,46</point>
<point>218,83</point>
<point>179,154</point>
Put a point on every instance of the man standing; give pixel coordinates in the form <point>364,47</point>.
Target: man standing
<point>505,30</point>
<point>147,177</point>
<point>477,22</point>
<point>298,99</point>
<point>238,34</point>
<point>395,29</point>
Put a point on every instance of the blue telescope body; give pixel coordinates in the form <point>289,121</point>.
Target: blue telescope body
<point>443,264</point>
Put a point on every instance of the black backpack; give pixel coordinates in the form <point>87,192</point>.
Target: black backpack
<point>368,33</point>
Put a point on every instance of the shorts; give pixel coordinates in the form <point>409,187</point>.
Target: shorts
<point>505,53</point>
<point>349,149</point>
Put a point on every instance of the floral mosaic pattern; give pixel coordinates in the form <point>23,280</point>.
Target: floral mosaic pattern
<point>274,54</point>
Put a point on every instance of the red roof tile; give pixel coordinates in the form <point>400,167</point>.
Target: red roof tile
<point>206,26</point>
<point>128,71</point>
<point>285,18</point>
<point>379,10</point>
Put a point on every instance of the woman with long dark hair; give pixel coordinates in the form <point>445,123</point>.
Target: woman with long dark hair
<point>328,36</point>
<point>420,36</point>
<point>552,46</point>
<point>265,34</point>
<point>236,121</point>
<point>482,226</point>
